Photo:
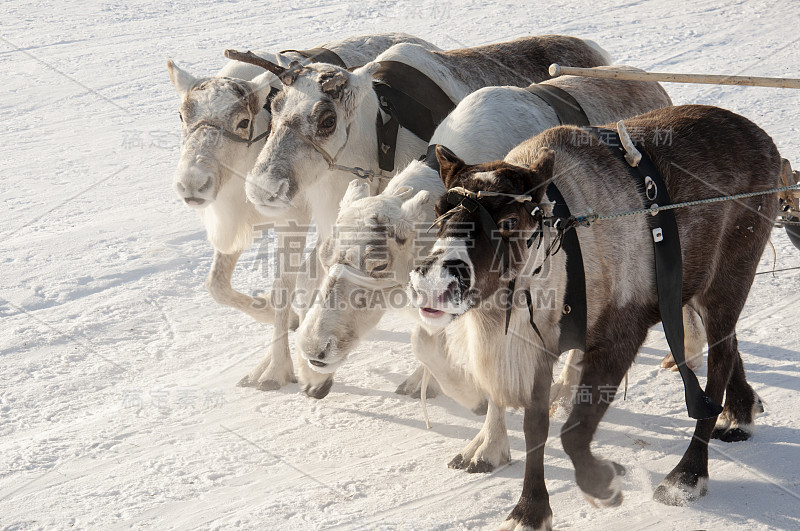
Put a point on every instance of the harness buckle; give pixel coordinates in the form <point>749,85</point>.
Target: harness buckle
<point>650,188</point>
<point>658,235</point>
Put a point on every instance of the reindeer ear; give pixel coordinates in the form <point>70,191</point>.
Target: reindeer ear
<point>349,87</point>
<point>357,189</point>
<point>368,69</point>
<point>182,79</point>
<point>449,165</point>
<point>282,60</point>
<point>541,169</point>
<point>414,209</point>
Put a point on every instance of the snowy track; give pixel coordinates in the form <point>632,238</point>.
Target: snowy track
<point>118,405</point>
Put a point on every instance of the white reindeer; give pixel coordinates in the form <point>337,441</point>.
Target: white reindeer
<point>326,116</point>
<point>378,239</point>
<point>221,116</point>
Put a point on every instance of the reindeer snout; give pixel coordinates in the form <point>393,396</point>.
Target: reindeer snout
<point>268,191</point>
<point>195,185</point>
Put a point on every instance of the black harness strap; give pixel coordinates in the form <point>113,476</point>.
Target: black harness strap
<point>412,100</point>
<point>573,314</point>
<point>669,268</point>
<point>320,55</point>
<point>567,108</point>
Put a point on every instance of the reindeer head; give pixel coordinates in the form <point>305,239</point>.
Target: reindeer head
<point>218,115</point>
<point>310,117</point>
<point>367,262</point>
<point>485,224</point>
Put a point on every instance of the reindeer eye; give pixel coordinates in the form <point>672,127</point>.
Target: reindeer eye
<point>328,123</point>
<point>507,225</point>
<point>380,268</point>
<point>243,124</point>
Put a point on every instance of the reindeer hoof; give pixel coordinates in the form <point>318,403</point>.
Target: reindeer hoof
<point>246,382</point>
<point>609,495</point>
<point>402,390</point>
<point>681,488</point>
<point>458,462</point>
<point>479,467</point>
<point>731,435</point>
<point>319,391</point>
<point>529,516</point>
<point>268,385</point>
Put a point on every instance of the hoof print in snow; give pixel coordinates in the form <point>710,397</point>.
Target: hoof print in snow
<point>319,391</point>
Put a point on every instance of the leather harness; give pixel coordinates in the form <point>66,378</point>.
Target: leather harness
<point>410,99</point>
<point>567,108</point>
<point>669,267</point>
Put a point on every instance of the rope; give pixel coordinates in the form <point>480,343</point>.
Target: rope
<point>589,218</point>
<point>778,270</point>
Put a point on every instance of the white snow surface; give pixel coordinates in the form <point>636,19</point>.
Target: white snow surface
<point>118,403</point>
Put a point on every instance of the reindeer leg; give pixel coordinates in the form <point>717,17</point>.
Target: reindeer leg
<point>276,369</point>
<point>603,369</point>
<point>694,341</point>
<point>218,284</point>
<point>490,447</point>
<point>431,350</point>
<point>742,404</point>
<point>532,511</point>
<point>562,391</point>
<point>688,481</point>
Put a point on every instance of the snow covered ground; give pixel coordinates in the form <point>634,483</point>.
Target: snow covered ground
<point>118,404</point>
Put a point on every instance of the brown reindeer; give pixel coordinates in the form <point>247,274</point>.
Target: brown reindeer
<point>701,152</point>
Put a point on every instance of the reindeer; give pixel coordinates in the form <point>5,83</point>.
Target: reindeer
<point>712,152</point>
<point>378,239</point>
<point>225,121</point>
<point>324,127</point>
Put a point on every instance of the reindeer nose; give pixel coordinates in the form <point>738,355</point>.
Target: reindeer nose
<point>207,185</point>
<point>194,201</point>
<point>279,193</point>
<point>195,181</point>
<point>457,268</point>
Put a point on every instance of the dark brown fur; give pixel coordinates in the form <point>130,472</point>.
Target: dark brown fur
<point>522,61</point>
